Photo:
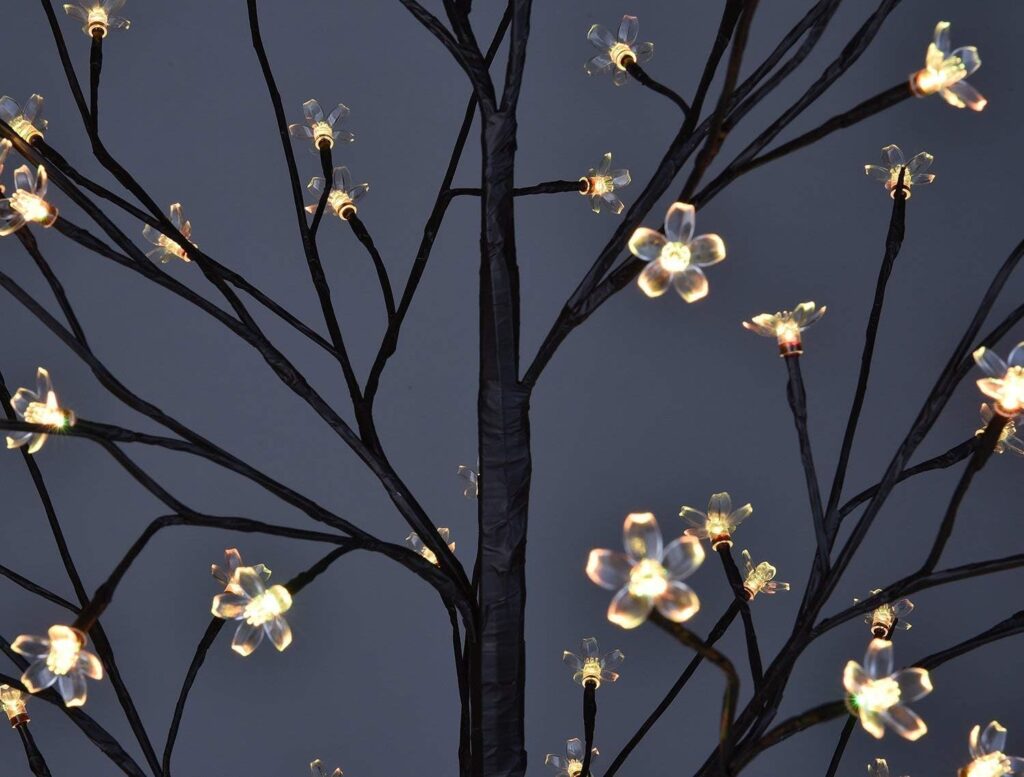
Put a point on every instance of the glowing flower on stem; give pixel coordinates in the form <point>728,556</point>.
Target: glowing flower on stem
<point>27,204</point>
<point>617,51</point>
<point>590,666</point>
<point>472,478</point>
<point>97,17</point>
<point>13,702</point>
<point>166,248</point>
<point>343,196</point>
<point>648,575</point>
<point>28,122</point>
<point>320,129</point>
<point>572,764</point>
<point>945,70</point>
<point>760,579</point>
<point>259,608</point>
<point>414,542</point>
<point>987,752</point>
<point>1008,439</point>
<point>893,161</point>
<point>600,183</point>
<point>38,407</point>
<point>878,694</point>
<point>1005,383</point>
<point>226,575</point>
<point>888,616</point>
<point>676,256</point>
<point>786,326</point>
<point>718,523</point>
<point>316,769</point>
<point>878,768</point>
<point>60,659</point>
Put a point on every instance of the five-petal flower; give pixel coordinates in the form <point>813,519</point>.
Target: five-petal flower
<point>989,760</point>
<point>572,764</point>
<point>600,184</point>
<point>1008,439</point>
<point>321,129</point>
<point>720,521</point>
<point>878,694</point>
<point>60,659</point>
<point>38,407</point>
<point>258,608</point>
<point>786,326</point>
<point>1005,383</point>
<point>676,256</point>
<point>893,162</point>
<point>166,248</point>
<point>414,542</point>
<point>590,667</point>
<point>945,70</point>
<point>97,17</point>
<point>28,122</point>
<point>760,579</point>
<point>617,51</point>
<point>888,616</point>
<point>341,200</point>
<point>27,203</point>
<point>648,575</point>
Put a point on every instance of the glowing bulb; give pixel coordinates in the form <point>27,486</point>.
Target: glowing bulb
<point>166,248</point>
<point>316,769</point>
<point>27,204</point>
<point>600,184</point>
<point>618,51</point>
<point>571,765</point>
<point>320,129</point>
<point>28,122</point>
<point>786,326</point>
<point>760,578</point>
<point>1005,383</point>
<point>38,407</point>
<point>258,608</point>
<point>13,702</point>
<point>97,18</point>
<point>60,659</point>
<point>893,163</point>
<point>877,694</point>
<point>590,667</point>
<point>945,70</point>
<point>1008,439</point>
<point>341,201</point>
<point>720,521</point>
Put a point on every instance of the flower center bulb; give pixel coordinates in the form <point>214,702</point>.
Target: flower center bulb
<point>592,671</point>
<point>174,248</point>
<point>343,207</point>
<point>762,574</point>
<point>49,414</point>
<point>25,129</point>
<point>323,133</point>
<point>1011,399</point>
<point>648,579</point>
<point>33,207</point>
<point>65,645</point>
<point>622,54</point>
<point>268,605</point>
<point>878,695</point>
<point>990,765</point>
<point>675,257</point>
<point>97,21</point>
<point>882,621</point>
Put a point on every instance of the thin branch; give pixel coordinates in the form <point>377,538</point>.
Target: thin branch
<point>589,723</point>
<point>547,187</point>
<point>732,574</point>
<point>820,714</point>
<point>798,404</point>
<point>844,737</point>
<point>37,589</point>
<point>36,762</point>
<point>95,67</point>
<point>360,231</point>
<point>1006,628</point>
<point>643,78</point>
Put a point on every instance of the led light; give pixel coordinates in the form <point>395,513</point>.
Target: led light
<point>945,70</point>
<point>760,578</point>
<point>60,659</point>
<point>600,184</point>
<point>617,51</point>
<point>590,667</point>
<point>322,130</point>
<point>414,542</point>
<point>27,205</point>
<point>987,748</point>
<point>893,163</point>
<point>97,18</point>
<point>166,248</point>
<point>786,326</point>
<point>13,702</point>
<point>1005,383</point>
<point>571,765</point>
<point>38,407</point>
<point>28,122</point>
<point>341,201</point>
<point>877,694</point>
<point>720,521</point>
<point>258,608</point>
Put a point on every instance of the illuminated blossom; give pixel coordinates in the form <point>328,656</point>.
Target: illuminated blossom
<point>167,249</point>
<point>320,129</point>
<point>28,122</point>
<point>617,51</point>
<point>414,542</point>
<point>38,407</point>
<point>647,575</point>
<point>60,659</point>
<point>945,70</point>
<point>877,694</point>
<point>472,478</point>
<point>13,702</point>
<point>97,18</point>
<point>27,203</point>
<point>343,195</point>
<point>676,256</point>
<point>1008,439</point>
<point>572,764</point>
<point>987,751</point>
<point>257,607</point>
<point>786,326</point>
<point>760,579</point>
<point>887,616</point>
<point>590,666</point>
<point>893,162</point>
<point>878,768</point>
<point>720,521</point>
<point>316,769</point>
<point>600,184</point>
<point>1005,383</point>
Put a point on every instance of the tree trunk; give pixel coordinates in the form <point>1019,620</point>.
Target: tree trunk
<point>504,444</point>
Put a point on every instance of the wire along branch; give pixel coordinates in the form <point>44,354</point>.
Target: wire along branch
<point>732,574</point>
<point>95,67</point>
<point>643,78</point>
<point>798,404</point>
<point>36,762</point>
<point>844,737</point>
<point>589,723</point>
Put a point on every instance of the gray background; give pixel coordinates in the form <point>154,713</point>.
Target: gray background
<point>653,404</point>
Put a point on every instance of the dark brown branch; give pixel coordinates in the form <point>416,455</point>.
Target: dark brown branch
<point>37,589</point>
<point>732,574</point>
<point>820,714</point>
<point>360,231</point>
<point>589,723</point>
<point>643,78</point>
<point>36,762</point>
<point>95,68</point>
<point>798,404</point>
<point>547,187</point>
<point>844,737</point>
<point>1007,628</point>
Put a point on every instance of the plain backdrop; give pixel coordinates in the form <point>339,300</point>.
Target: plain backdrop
<point>651,405</point>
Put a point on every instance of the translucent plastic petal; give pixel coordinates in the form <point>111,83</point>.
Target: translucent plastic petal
<point>33,108</point>
<point>629,28</point>
<point>24,179</point>
<point>342,178</point>
<point>38,677</point>
<point>905,722</point>
<point>763,324</point>
<point>613,659</point>
<point>89,665</point>
<point>177,217</point>
<point>914,684</point>
<point>920,162</point>
<point>629,611</point>
<point>22,399</point>
<point>30,646</point>
<point>682,557</point>
<point>619,77</point>
<point>992,387</point>
<point>993,738</point>
<point>357,193</point>
<point>601,37</point>
<point>316,184</point>
<point>644,52</point>
<point>229,606</point>
<point>720,503</point>
<point>877,172</point>
<point>620,178</point>
<point>941,37</point>
<point>878,768</point>
<point>878,661</point>
<point>872,722</point>
<point>736,517</point>
<point>1016,357</point>
<point>902,608</point>
<point>963,95</point>
<point>8,108</point>
<point>76,12</point>
<point>806,314</point>
<point>641,537</point>
<point>572,660</point>
<point>970,58</point>
<point>279,631</point>
<point>589,648</point>
<point>574,749</point>
<point>615,205</point>
<point>73,689</point>
<point>654,279</point>
<point>250,582</point>
<point>312,111</point>
<point>597,65</point>
<point>300,131</point>
<point>693,517</point>
<point>247,638</point>
<point>113,6</point>
<point>706,250</point>
<point>854,677</point>
<point>691,284</point>
<point>646,244</point>
<point>990,362</point>
<point>893,156</point>
<point>36,442</point>
<point>340,113</point>
<point>608,569</point>
<point>679,222</point>
<point>921,179</point>
<point>554,761</point>
<point>679,603</point>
